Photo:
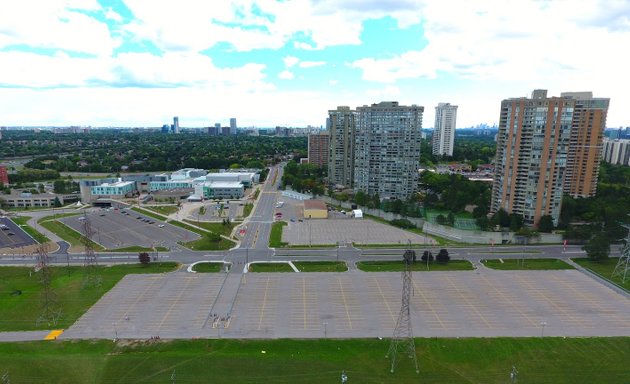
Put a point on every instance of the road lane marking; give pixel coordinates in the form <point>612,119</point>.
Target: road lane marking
<point>53,334</point>
<point>345,303</point>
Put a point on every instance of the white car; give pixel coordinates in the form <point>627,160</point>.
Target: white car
<point>161,225</point>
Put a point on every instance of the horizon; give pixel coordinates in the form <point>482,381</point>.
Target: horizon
<point>132,63</point>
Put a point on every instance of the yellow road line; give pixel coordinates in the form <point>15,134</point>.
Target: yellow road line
<point>256,237</point>
<point>345,304</point>
<point>262,310</point>
<point>53,334</point>
<point>384,300</point>
<point>179,297</point>
<point>474,307</point>
<point>428,303</point>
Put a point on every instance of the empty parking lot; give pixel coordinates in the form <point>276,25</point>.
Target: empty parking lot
<point>358,304</point>
<point>116,229</point>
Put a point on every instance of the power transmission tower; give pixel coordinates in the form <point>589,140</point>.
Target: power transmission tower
<point>51,311</point>
<point>402,340</point>
<point>90,263</point>
<point>623,265</point>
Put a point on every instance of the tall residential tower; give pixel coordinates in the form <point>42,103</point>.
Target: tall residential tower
<point>341,124</point>
<point>546,146</point>
<point>444,129</point>
<point>387,149</point>
<point>318,147</point>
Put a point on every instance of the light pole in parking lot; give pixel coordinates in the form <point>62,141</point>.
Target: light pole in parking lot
<point>337,251</point>
<point>542,329</point>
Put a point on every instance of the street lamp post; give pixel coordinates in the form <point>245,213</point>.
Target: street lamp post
<point>325,329</point>
<point>542,329</point>
<point>337,251</point>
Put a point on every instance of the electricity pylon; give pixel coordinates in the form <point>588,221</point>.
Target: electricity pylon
<point>402,340</point>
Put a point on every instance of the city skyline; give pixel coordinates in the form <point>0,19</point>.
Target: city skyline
<point>139,63</point>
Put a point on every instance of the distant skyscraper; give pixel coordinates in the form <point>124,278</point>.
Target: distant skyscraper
<point>546,146</point>
<point>585,144</point>
<point>318,147</point>
<point>166,128</point>
<point>387,149</point>
<point>444,129</point>
<point>616,151</point>
<point>341,125</point>
<point>233,126</point>
<point>175,124</point>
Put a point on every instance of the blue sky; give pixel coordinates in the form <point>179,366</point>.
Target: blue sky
<point>268,63</point>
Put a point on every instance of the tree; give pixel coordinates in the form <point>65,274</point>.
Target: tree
<point>56,202</point>
<point>426,255</point>
<point>545,224</point>
<point>598,247</point>
<point>440,219</point>
<point>516,221</point>
<point>442,257</point>
<point>450,219</point>
<point>144,258</point>
<point>361,198</point>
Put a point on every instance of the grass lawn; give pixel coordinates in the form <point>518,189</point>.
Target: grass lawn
<point>163,209</point>
<point>275,237</point>
<point>464,360</point>
<point>68,234</point>
<point>208,267</point>
<point>21,222</point>
<point>321,266</point>
<point>247,209</point>
<point>526,264</point>
<point>150,213</point>
<point>206,243</point>
<point>419,266</point>
<point>605,269</point>
<point>270,267</point>
<point>58,216</point>
<point>220,228</point>
<point>20,312</point>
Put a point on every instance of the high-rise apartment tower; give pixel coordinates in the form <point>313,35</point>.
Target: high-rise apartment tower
<point>387,149</point>
<point>341,125</point>
<point>233,126</point>
<point>545,147</point>
<point>444,129</point>
<point>318,144</point>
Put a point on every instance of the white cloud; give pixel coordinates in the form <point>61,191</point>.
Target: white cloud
<point>290,61</point>
<point>110,14</point>
<point>286,75</point>
<point>311,64</point>
<point>56,24</point>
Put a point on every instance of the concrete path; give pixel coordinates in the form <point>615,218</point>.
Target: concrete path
<point>23,336</point>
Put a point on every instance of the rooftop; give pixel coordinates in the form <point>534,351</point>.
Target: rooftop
<point>314,204</point>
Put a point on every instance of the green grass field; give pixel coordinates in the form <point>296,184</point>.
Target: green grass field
<point>247,209</point>
<point>275,237</point>
<point>220,228</point>
<point>68,234</point>
<point>57,216</point>
<point>419,266</point>
<point>270,267</point>
<point>479,361</point>
<point>162,209</point>
<point>526,264</point>
<point>321,266</point>
<point>150,213</point>
<point>605,269</point>
<point>208,267</point>
<point>21,222</point>
<point>20,312</point>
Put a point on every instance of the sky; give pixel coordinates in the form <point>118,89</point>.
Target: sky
<point>269,63</point>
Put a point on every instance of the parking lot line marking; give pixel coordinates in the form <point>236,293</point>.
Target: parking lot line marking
<point>428,303</point>
<point>520,311</point>
<point>262,309</point>
<point>179,297</point>
<point>345,303</point>
<point>384,300</point>
<point>468,303</point>
<point>140,297</point>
